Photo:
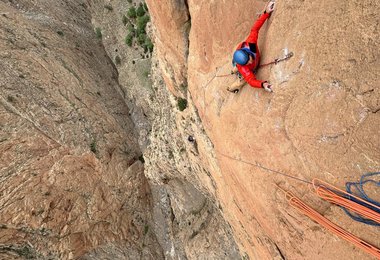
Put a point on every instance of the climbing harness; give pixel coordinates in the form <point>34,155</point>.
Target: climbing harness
<point>275,61</point>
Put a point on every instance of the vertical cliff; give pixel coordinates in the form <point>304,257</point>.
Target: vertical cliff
<point>320,122</point>
<point>187,220</point>
<point>110,151</point>
<point>78,110</point>
<point>72,184</point>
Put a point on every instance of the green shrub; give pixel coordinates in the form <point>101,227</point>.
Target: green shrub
<point>141,39</point>
<point>139,32</point>
<point>146,74</point>
<point>182,104</point>
<point>130,1</point>
<point>131,12</point>
<point>145,7</point>
<point>125,20</point>
<point>117,60</point>
<point>108,7</point>
<point>146,229</point>
<point>140,10</point>
<point>11,99</point>
<point>93,146</point>
<point>129,39</point>
<point>131,29</point>
<point>148,45</point>
<point>183,87</point>
<point>141,24</point>
<point>98,33</point>
<point>60,33</point>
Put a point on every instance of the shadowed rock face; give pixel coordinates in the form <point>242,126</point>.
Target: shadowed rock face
<point>321,121</point>
<point>71,182</point>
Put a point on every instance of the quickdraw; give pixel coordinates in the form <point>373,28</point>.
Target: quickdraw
<point>276,61</point>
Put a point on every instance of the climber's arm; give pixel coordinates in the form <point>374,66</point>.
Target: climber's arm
<point>259,23</point>
<point>250,78</point>
<point>256,28</point>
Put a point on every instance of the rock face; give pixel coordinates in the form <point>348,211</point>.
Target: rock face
<point>172,42</point>
<point>72,185</point>
<point>74,126</point>
<point>187,220</point>
<point>321,121</point>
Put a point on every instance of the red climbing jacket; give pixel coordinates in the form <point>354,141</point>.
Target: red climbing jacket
<point>247,70</point>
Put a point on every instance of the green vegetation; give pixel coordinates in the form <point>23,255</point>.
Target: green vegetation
<point>98,33</point>
<point>182,104</point>
<point>146,74</point>
<point>131,29</point>
<point>141,24</point>
<point>132,12</point>
<point>129,39</point>
<point>148,45</point>
<point>93,146</point>
<point>130,1</point>
<point>125,20</point>
<point>11,99</point>
<point>24,251</point>
<point>117,60</point>
<point>183,87</point>
<point>108,7</point>
<point>60,33</point>
<point>140,10</point>
<point>141,159</point>
<point>146,229</point>
<point>137,20</point>
<point>141,39</point>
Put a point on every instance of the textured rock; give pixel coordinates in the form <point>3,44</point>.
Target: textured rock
<point>72,178</point>
<point>320,122</point>
<point>71,182</point>
<point>171,40</point>
<point>187,222</point>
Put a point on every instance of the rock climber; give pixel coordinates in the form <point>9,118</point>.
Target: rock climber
<point>247,57</point>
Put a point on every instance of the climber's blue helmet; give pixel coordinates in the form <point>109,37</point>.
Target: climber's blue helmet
<point>241,56</point>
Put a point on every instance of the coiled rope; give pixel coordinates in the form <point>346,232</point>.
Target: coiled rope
<point>347,201</point>
<point>365,209</point>
<point>344,234</point>
<point>362,206</point>
<point>359,186</point>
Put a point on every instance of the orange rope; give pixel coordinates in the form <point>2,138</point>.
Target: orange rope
<point>314,215</point>
<point>340,197</point>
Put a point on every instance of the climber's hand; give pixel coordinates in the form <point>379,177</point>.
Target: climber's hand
<point>270,7</point>
<point>267,87</point>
